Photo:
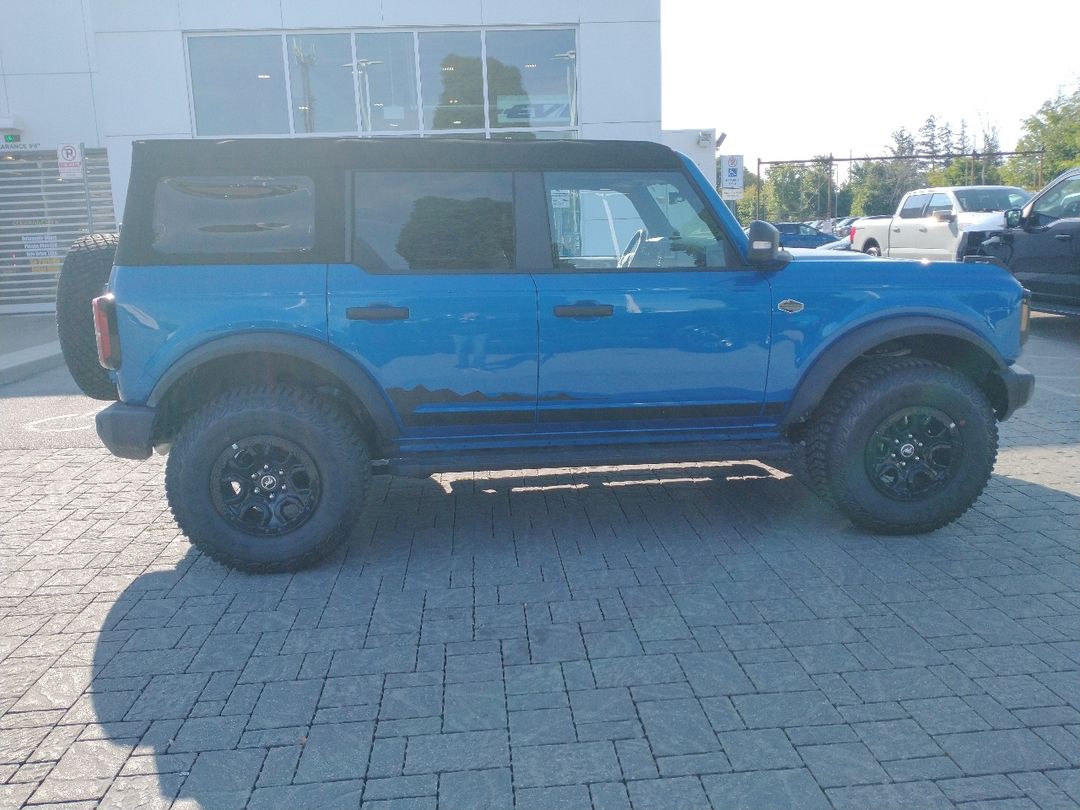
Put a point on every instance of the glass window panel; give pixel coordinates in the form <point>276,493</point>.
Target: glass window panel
<point>939,202</point>
<point>630,220</point>
<point>321,81</point>
<point>433,221</point>
<point>210,215</point>
<point>532,78</point>
<point>451,80</point>
<point>387,76</point>
<point>238,85</point>
<point>913,208</point>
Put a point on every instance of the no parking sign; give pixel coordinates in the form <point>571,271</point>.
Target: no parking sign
<point>69,158</point>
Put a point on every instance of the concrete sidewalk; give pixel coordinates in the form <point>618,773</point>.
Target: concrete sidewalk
<point>28,346</point>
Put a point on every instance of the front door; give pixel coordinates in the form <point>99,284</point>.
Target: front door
<point>433,307</point>
<point>648,325</point>
<point>1046,251</point>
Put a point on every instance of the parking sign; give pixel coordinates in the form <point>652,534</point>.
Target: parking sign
<point>69,159</point>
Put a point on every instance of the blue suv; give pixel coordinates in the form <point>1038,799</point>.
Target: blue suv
<point>280,314</point>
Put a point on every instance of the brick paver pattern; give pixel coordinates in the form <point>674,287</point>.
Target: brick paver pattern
<point>684,636</point>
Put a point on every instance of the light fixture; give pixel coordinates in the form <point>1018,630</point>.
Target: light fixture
<point>263,76</point>
<point>448,68</point>
<point>530,65</point>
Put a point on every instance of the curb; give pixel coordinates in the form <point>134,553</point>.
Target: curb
<point>15,366</point>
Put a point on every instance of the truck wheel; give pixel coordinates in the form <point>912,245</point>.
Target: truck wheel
<point>83,277</point>
<point>267,479</point>
<point>872,250</point>
<point>904,446</point>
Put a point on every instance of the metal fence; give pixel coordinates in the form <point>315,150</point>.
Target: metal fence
<point>40,216</point>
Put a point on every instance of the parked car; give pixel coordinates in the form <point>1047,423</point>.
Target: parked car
<point>842,226</point>
<point>1041,245</point>
<point>284,312</point>
<point>801,235</point>
<point>940,224</point>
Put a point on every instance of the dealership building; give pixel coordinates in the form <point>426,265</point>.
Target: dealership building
<point>81,79</point>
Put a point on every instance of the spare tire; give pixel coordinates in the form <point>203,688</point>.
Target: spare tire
<point>83,277</point>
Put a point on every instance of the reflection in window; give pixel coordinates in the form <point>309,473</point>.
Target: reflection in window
<point>321,81</point>
<point>433,221</point>
<point>238,85</point>
<point>630,220</point>
<point>214,215</point>
<point>451,80</point>
<point>386,74</point>
<point>532,78</point>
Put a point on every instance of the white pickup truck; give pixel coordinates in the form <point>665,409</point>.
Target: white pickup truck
<point>941,224</point>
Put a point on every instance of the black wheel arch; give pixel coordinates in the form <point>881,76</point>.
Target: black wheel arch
<point>931,337</point>
<point>270,358</point>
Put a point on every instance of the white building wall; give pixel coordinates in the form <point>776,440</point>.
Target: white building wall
<point>107,72</point>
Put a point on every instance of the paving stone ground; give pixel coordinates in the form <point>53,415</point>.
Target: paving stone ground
<point>691,636</point>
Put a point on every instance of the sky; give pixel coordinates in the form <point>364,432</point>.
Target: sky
<point>790,80</point>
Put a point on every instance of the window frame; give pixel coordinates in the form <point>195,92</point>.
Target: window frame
<point>487,132</point>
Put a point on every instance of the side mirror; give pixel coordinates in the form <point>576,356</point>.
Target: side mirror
<point>944,216</point>
<point>764,242</point>
<point>1013,217</point>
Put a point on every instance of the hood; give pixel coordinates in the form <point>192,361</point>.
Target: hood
<point>816,255</point>
<point>981,220</point>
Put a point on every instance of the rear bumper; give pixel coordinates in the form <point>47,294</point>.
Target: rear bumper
<point>1019,383</point>
<point>127,429</point>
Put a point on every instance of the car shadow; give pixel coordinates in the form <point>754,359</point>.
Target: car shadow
<point>237,690</point>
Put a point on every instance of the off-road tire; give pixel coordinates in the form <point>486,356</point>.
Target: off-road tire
<point>83,277</point>
<point>324,432</point>
<point>864,398</point>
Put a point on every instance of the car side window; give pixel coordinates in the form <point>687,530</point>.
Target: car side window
<point>630,220</point>
<point>1059,202</point>
<point>433,221</point>
<point>234,215</point>
<point>939,202</point>
<point>913,206</point>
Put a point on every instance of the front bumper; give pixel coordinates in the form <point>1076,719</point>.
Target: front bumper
<point>1018,384</point>
<point>127,429</point>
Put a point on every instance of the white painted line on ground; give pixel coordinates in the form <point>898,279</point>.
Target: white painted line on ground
<point>43,426</point>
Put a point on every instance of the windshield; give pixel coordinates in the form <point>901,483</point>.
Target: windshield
<point>991,199</point>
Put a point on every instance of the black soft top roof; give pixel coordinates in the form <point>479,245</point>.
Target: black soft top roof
<point>164,157</point>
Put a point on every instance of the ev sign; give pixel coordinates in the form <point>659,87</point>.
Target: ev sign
<point>731,177</point>
<point>69,158</point>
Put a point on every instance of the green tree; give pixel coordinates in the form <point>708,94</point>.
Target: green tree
<point>1055,129</point>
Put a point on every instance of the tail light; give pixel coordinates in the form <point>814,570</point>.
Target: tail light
<point>108,339</point>
<point>1025,317</point>
<point>851,235</point>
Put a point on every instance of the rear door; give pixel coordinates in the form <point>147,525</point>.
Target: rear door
<point>649,326</point>
<point>939,230</point>
<point>433,306</point>
<point>909,228</point>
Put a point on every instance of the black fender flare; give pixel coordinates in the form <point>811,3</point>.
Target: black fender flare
<point>328,358</point>
<point>843,350</point>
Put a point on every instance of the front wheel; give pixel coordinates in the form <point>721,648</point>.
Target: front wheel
<point>267,479</point>
<point>903,446</point>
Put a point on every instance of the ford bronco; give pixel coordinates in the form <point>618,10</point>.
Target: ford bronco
<point>282,314</point>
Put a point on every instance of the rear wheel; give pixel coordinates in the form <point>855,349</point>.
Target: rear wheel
<point>267,479</point>
<point>903,446</point>
<point>872,250</point>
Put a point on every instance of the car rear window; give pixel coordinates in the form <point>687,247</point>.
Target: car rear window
<point>234,215</point>
<point>433,221</point>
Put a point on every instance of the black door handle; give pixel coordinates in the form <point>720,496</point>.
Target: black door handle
<point>1064,237</point>
<point>377,312</point>
<point>585,309</point>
